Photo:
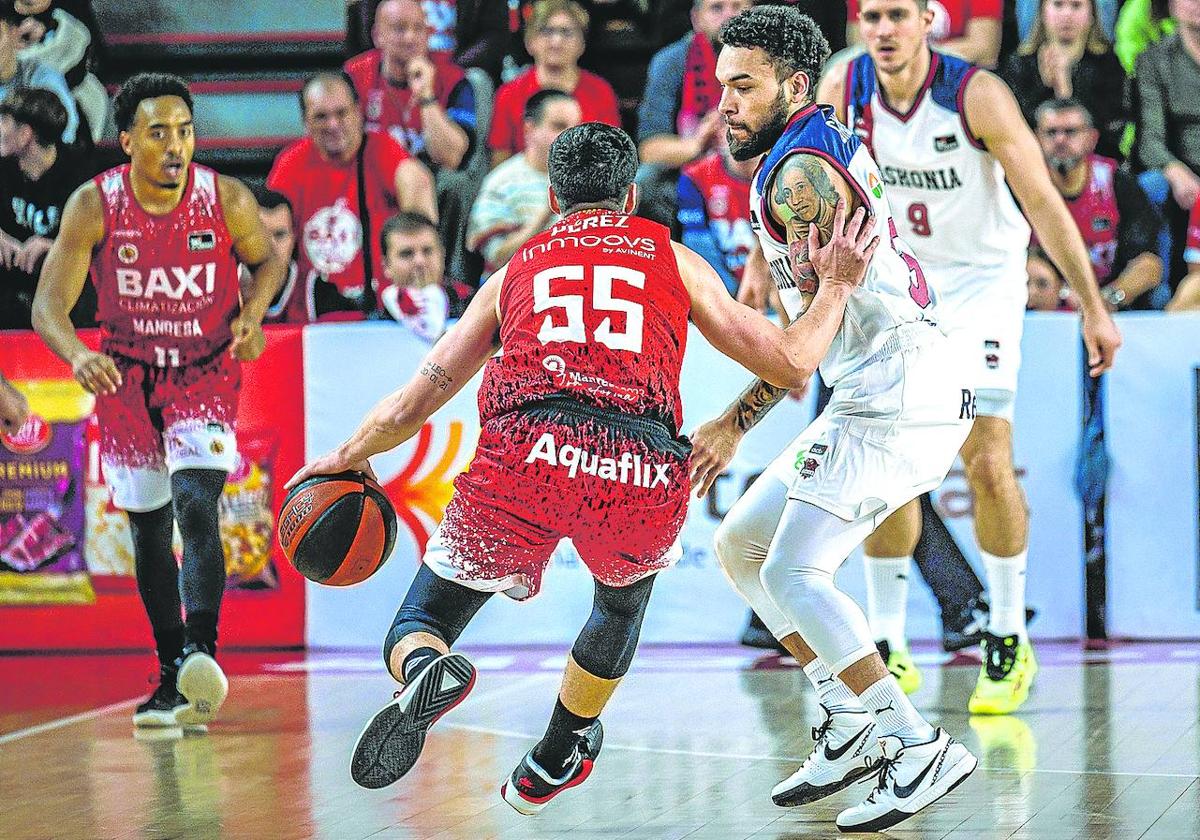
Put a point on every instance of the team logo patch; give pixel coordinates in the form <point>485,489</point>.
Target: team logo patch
<point>127,253</point>
<point>945,143</point>
<point>991,353</point>
<point>202,240</point>
<point>809,462</point>
<point>875,186</point>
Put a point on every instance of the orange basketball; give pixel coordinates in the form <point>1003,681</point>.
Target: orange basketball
<point>337,529</point>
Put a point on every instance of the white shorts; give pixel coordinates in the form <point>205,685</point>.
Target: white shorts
<point>983,313</point>
<point>891,432</point>
<point>186,444</point>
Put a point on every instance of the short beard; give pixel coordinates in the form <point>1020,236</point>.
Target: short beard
<point>1064,166</point>
<point>762,140</point>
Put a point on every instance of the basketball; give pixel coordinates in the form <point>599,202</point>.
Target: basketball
<point>337,529</point>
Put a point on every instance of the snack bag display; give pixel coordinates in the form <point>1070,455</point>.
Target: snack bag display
<point>42,476</point>
<point>247,517</point>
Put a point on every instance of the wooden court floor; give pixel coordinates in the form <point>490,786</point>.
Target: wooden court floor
<point>1108,747</point>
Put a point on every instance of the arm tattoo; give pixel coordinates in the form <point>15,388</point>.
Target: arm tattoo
<point>803,195</point>
<point>436,374</point>
<point>755,402</point>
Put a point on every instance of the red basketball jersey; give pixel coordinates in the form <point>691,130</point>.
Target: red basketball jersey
<point>167,285</point>
<point>595,309</point>
<point>1097,216</point>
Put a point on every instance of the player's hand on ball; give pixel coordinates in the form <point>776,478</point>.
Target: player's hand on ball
<point>329,464</point>
<point>96,372</point>
<point>1102,339</point>
<point>248,339</point>
<point>713,446</point>
<point>843,260</point>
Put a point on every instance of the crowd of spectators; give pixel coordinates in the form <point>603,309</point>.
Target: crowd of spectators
<point>432,143</point>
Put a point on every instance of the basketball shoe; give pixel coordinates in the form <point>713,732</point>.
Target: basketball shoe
<point>910,778</point>
<point>391,742</point>
<point>1004,677</point>
<point>846,751</point>
<point>202,683</point>
<point>530,788</point>
<point>159,710</point>
<point>901,666</point>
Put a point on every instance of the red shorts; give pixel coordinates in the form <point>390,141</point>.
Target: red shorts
<point>165,419</point>
<point>617,487</point>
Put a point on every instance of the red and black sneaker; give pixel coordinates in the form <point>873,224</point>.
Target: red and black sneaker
<point>391,743</point>
<point>530,788</point>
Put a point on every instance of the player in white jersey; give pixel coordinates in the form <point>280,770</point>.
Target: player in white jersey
<point>946,136</point>
<point>901,407</point>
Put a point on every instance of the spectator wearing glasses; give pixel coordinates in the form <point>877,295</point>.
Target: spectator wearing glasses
<point>555,38</point>
<point>1117,222</point>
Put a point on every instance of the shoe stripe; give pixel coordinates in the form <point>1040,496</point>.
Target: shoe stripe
<point>585,769</point>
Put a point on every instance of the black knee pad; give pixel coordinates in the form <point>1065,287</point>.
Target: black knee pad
<point>439,607</point>
<point>608,641</point>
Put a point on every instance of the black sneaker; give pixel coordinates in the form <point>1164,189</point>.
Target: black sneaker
<point>166,700</point>
<point>530,788</point>
<point>202,683</point>
<point>966,629</point>
<point>391,742</point>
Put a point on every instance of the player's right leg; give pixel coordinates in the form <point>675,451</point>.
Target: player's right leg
<point>417,653</point>
<point>844,749</point>
<point>599,660</point>
<point>134,466</point>
<point>887,561</point>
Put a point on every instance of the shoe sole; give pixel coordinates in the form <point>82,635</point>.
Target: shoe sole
<point>805,793</point>
<point>391,742</point>
<point>155,719</point>
<point>205,686</point>
<point>958,774</point>
<point>524,806</point>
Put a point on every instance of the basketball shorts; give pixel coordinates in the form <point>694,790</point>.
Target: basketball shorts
<point>890,432</point>
<point>982,310</point>
<point>616,486</point>
<point>166,419</point>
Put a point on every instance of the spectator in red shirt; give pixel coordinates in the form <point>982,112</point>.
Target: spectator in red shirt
<point>969,29</point>
<point>424,101</point>
<point>1188,296</point>
<point>343,182</point>
<point>555,39</point>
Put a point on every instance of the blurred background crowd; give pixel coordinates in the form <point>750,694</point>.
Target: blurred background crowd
<point>400,161</point>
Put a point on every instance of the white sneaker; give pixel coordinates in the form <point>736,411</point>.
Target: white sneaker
<point>910,778</point>
<point>203,684</point>
<point>846,751</point>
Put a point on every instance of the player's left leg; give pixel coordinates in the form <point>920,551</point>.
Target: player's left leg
<point>920,764</point>
<point>887,561</point>
<point>599,659</point>
<point>1002,527</point>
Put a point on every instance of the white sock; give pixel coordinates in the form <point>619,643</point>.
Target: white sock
<point>1006,594</point>
<point>894,713</point>
<point>832,692</point>
<point>887,598</point>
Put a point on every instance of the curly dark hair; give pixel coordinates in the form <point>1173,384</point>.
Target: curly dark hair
<point>592,163</point>
<point>793,41</point>
<point>146,86</point>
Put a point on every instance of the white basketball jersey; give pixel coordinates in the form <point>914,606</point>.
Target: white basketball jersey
<point>894,291</point>
<point>952,205</point>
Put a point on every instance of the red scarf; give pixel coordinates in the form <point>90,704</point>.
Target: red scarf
<point>700,91</point>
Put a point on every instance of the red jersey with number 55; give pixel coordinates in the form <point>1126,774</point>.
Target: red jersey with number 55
<point>167,285</point>
<point>593,309</point>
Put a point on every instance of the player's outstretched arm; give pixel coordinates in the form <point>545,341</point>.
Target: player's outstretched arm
<point>266,273</point>
<point>993,115</point>
<point>450,364</point>
<point>63,274</point>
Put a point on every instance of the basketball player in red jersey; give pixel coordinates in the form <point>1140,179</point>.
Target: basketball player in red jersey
<point>580,438</point>
<point>163,237</point>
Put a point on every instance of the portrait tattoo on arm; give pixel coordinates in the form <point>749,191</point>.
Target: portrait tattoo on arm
<point>803,195</point>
